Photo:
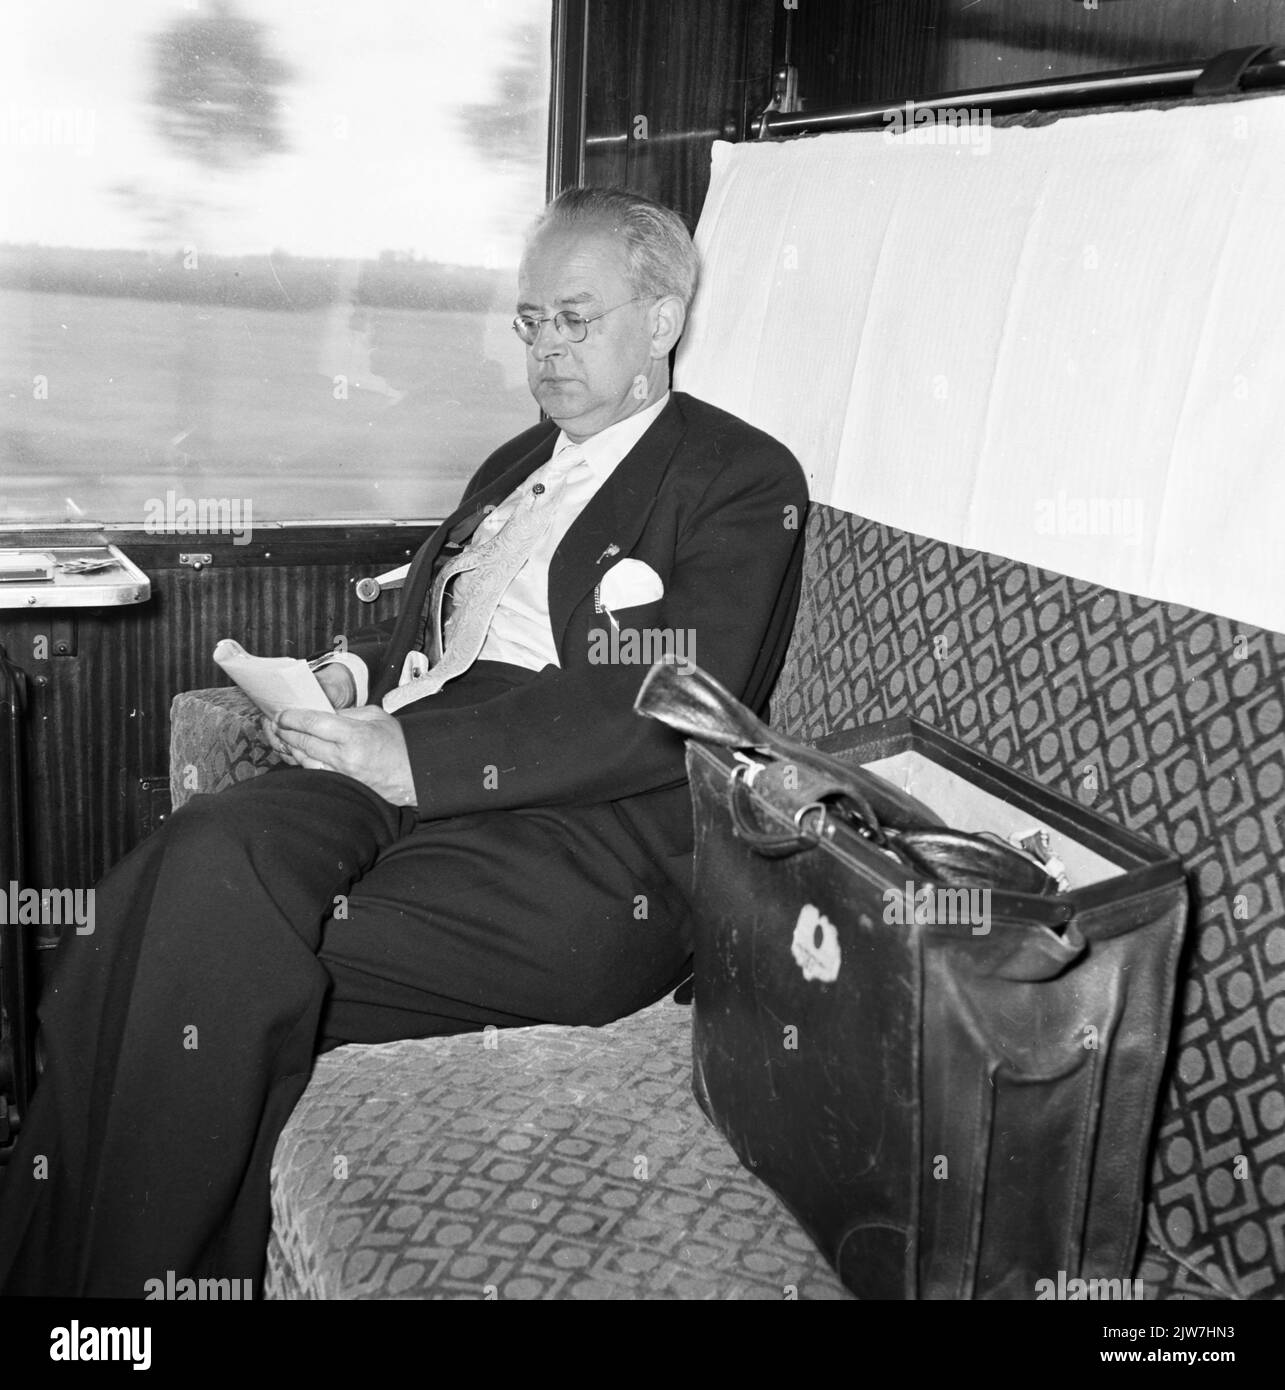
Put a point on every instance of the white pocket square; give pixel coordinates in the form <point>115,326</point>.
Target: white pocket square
<point>628,583</point>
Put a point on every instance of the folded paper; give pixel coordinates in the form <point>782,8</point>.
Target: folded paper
<point>274,683</point>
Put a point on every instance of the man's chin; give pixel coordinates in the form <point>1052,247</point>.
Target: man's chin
<point>560,402</point>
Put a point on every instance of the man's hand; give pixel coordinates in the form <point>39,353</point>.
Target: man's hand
<point>336,680</point>
<point>365,744</point>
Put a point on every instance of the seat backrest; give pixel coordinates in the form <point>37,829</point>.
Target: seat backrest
<point>1036,377</point>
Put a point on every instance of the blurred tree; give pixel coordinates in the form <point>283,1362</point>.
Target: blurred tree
<point>216,101</point>
<point>215,96</point>
<point>510,132</point>
<point>511,129</point>
<point>216,88</point>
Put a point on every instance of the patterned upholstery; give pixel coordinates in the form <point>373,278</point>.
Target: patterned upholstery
<point>214,741</point>
<point>572,1162</point>
<point>1168,720</point>
<point>543,1162</point>
<point>533,1163</point>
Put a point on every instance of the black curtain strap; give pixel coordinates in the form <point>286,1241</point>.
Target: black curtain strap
<point>1222,75</point>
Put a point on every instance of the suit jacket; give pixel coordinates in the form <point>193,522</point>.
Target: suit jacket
<point>716,509</point>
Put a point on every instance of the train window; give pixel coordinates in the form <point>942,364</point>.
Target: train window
<point>258,258</point>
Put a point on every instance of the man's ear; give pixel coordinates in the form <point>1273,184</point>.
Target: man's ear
<point>668,318</point>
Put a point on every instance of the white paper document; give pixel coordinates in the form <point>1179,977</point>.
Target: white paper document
<point>274,683</point>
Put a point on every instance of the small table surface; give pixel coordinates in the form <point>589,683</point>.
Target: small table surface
<point>118,581</point>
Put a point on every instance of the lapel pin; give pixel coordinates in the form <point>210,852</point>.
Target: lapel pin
<point>608,553</point>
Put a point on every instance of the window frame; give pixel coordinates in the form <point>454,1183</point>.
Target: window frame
<point>290,541</point>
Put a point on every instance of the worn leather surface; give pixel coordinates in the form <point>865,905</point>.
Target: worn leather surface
<point>953,1110</point>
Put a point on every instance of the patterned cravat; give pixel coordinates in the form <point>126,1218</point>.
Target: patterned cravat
<point>485,571</point>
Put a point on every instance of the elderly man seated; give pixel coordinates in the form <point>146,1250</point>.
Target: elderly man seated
<point>483,832</point>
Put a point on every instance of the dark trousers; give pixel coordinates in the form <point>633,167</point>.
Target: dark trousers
<point>288,914</point>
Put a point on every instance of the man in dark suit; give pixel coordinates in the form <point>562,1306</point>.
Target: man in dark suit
<point>507,845</point>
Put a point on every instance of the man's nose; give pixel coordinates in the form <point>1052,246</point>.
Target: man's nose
<point>548,340</point>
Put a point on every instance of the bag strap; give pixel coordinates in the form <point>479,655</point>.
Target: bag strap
<point>761,841</point>
<point>835,797</point>
<point>691,701</point>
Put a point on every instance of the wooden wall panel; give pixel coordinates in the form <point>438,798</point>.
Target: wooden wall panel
<point>851,51</point>
<point>98,726</point>
<point>699,70</point>
<point>666,78</point>
<point>864,51</point>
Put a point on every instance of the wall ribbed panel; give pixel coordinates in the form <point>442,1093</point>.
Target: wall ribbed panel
<point>98,724</point>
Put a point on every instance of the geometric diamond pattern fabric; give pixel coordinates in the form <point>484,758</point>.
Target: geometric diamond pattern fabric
<point>1165,719</point>
<point>532,1163</point>
<point>512,1170</point>
<point>215,739</point>
<point>528,1163</point>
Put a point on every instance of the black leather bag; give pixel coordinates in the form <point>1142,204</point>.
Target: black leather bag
<point>946,1066</point>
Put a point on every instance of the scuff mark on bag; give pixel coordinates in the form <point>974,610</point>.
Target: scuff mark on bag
<point>815,947</point>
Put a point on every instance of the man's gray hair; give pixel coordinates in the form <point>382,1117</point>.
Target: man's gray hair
<point>658,247</point>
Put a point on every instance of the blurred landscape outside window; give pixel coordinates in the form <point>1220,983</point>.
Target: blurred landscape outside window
<point>262,252</point>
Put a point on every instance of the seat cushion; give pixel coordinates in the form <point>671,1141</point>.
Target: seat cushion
<point>536,1163</point>
<point>545,1162</point>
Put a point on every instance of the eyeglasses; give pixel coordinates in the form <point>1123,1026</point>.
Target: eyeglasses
<point>570,325</point>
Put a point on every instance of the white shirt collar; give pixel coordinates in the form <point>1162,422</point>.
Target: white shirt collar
<point>604,450</point>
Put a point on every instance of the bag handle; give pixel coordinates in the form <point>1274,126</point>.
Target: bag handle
<point>760,841</point>
<point>693,702</point>
<point>953,858</point>
<point>959,858</point>
<point>848,804</point>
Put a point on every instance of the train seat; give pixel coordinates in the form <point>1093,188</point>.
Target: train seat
<point>1033,384</point>
<point>545,1162</point>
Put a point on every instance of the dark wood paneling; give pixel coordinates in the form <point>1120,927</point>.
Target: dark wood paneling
<point>863,51</point>
<point>98,726</point>
<point>885,50</point>
<point>698,70</point>
<point>666,78</point>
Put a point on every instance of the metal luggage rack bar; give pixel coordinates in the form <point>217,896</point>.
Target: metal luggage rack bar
<point>1237,70</point>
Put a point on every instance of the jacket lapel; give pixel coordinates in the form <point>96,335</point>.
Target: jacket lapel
<point>454,530</point>
<point>615,516</point>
